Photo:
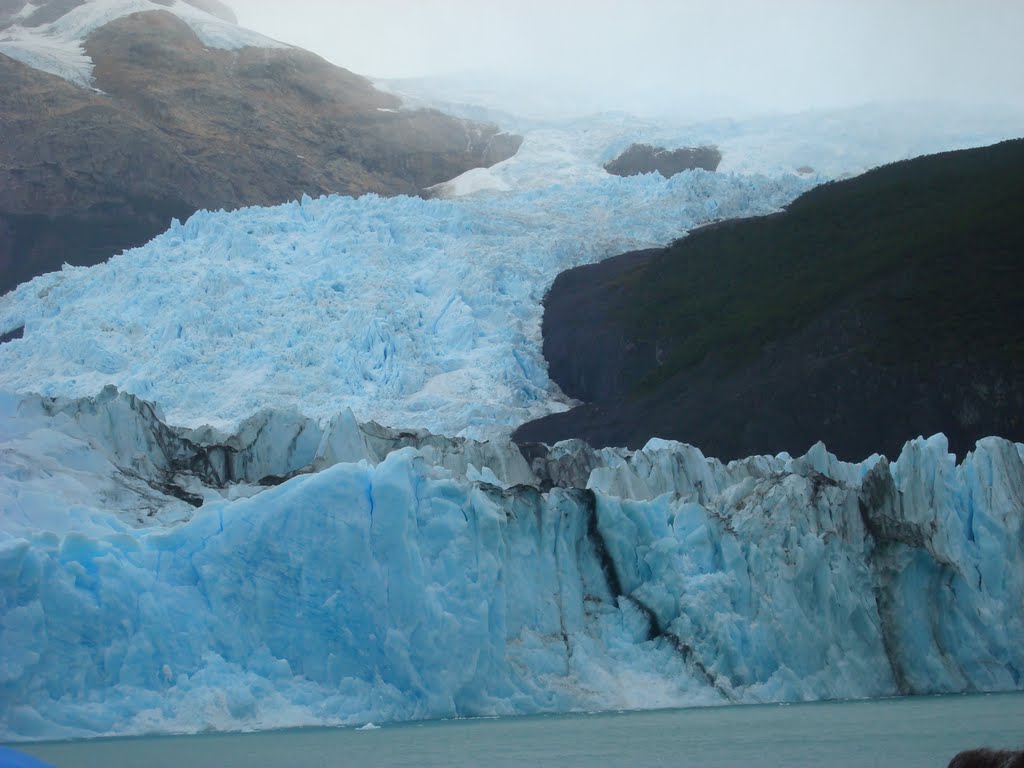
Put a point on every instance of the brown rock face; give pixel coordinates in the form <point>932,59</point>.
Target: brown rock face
<point>177,127</point>
<point>80,178</point>
<point>644,158</point>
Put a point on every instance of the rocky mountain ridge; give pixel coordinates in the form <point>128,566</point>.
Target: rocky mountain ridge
<point>34,14</point>
<point>174,125</point>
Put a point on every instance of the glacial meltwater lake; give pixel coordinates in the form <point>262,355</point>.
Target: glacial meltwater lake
<point>918,732</point>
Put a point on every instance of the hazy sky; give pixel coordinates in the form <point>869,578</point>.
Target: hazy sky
<point>649,54</point>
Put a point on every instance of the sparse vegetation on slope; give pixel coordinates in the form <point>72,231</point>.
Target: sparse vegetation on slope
<point>903,284</point>
<point>944,235</point>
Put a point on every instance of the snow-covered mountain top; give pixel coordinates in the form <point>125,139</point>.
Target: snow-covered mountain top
<point>57,46</point>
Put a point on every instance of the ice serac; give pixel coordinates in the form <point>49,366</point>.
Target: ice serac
<point>376,585</point>
<point>950,530</point>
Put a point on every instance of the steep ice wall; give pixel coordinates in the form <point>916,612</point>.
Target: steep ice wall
<point>822,562</point>
<point>352,594</point>
<point>402,590</point>
<point>948,531</point>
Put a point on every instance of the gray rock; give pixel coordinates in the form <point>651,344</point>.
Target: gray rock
<point>644,158</point>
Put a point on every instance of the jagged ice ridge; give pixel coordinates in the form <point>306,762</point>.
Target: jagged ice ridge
<point>391,588</point>
<point>413,313</point>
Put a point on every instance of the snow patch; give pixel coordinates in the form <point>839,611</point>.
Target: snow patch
<point>58,47</point>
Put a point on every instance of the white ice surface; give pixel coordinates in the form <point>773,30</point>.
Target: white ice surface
<point>57,47</point>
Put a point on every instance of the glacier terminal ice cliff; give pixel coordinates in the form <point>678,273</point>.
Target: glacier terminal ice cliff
<point>371,574</point>
<point>413,313</point>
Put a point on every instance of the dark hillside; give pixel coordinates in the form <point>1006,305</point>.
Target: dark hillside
<point>871,311</point>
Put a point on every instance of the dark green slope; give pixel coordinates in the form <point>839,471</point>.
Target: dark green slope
<point>872,310</point>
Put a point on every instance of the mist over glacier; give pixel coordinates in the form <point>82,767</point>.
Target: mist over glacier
<point>228,543</point>
<point>701,58</point>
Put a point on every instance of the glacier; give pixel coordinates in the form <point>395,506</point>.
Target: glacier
<point>418,313</point>
<point>376,584</point>
<point>257,474</point>
<point>410,312</point>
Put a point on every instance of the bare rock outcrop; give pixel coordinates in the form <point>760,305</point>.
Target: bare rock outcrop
<point>173,126</point>
<point>645,158</point>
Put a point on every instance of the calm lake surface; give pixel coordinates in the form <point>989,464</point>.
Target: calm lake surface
<point>922,732</point>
